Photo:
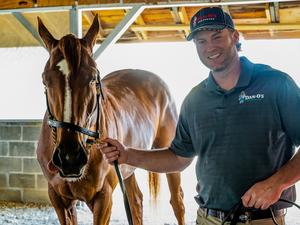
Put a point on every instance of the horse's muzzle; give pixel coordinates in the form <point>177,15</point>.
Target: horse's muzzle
<point>70,162</point>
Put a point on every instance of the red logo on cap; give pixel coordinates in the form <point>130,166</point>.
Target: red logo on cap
<point>200,19</point>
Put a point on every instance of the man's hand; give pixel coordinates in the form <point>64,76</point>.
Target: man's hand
<point>113,150</point>
<point>262,195</point>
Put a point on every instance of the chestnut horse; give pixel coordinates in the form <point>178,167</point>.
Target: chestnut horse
<point>133,106</point>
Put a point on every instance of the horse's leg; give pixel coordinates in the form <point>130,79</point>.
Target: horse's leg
<point>176,200</point>
<point>135,198</point>
<point>164,136</point>
<point>101,206</point>
<point>102,202</point>
<point>65,209</point>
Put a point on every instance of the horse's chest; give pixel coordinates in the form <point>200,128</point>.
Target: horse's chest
<point>80,190</point>
<point>75,191</point>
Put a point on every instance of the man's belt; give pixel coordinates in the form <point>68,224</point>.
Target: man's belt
<point>248,215</point>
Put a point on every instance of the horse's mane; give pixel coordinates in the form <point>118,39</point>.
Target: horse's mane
<point>70,47</point>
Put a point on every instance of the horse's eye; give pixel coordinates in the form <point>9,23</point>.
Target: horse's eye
<point>89,141</point>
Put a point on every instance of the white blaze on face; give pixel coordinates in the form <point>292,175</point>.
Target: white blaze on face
<point>63,67</point>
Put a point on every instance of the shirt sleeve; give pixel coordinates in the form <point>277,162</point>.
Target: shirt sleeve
<point>289,108</point>
<point>182,143</point>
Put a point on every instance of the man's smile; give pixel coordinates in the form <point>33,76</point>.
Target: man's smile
<point>214,56</point>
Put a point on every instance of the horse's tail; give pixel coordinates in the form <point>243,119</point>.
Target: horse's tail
<point>154,185</point>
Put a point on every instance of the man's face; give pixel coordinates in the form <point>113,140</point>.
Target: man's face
<point>216,49</point>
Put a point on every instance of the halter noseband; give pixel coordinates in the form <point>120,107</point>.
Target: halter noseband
<point>52,122</point>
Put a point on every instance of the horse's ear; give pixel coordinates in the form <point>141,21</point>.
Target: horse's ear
<point>91,35</point>
<point>46,36</point>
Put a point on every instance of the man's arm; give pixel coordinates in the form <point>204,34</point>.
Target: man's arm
<point>267,192</point>
<point>160,160</point>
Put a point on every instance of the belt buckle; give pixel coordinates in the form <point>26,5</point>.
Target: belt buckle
<point>244,217</point>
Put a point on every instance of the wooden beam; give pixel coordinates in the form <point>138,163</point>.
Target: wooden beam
<point>177,18</point>
<point>271,15</point>
<point>290,15</point>
<point>267,11</point>
<point>119,30</point>
<point>275,26</point>
<point>251,21</point>
<point>143,34</point>
<point>276,35</point>
<point>12,38</point>
<point>140,34</point>
<point>89,16</point>
<point>183,15</point>
<point>161,27</point>
<point>184,19</point>
<point>7,8</point>
<point>27,25</point>
<point>175,15</point>
<point>240,27</point>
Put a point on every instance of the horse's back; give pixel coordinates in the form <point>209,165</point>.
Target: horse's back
<point>120,83</point>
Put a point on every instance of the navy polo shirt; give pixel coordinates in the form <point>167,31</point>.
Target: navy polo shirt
<point>240,136</point>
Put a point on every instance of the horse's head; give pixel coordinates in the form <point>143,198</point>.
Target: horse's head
<point>72,84</point>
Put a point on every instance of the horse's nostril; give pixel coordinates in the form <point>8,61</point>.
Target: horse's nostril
<point>82,157</point>
<point>56,159</point>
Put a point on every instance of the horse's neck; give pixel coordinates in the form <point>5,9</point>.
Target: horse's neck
<point>109,119</point>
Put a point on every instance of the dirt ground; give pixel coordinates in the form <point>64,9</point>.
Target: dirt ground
<point>37,214</point>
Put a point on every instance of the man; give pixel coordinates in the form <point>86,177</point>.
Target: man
<point>242,122</point>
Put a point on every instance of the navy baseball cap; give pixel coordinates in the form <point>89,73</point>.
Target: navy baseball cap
<point>210,18</point>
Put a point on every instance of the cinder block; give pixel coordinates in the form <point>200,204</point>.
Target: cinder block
<point>31,165</point>
<point>21,149</point>
<point>10,195</point>
<point>22,180</point>
<point>3,148</point>
<point>36,196</point>
<point>41,182</point>
<point>31,133</point>
<point>8,164</point>
<point>3,180</point>
<point>10,132</point>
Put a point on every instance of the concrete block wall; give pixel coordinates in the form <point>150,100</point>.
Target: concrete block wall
<point>21,178</point>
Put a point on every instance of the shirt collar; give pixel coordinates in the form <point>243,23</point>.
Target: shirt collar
<point>244,79</point>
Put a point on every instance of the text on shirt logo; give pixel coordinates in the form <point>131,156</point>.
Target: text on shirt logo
<point>246,98</point>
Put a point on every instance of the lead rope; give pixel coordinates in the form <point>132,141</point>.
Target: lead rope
<point>125,197</point>
<point>234,212</point>
<point>282,200</point>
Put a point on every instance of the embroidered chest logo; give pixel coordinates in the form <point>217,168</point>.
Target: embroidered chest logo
<point>249,98</point>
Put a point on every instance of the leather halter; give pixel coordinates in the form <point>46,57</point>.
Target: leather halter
<point>52,122</point>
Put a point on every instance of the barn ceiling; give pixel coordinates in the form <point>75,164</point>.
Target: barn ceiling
<point>146,21</point>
